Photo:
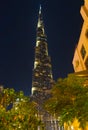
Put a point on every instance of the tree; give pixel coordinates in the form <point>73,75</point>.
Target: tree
<point>7,96</point>
<point>17,112</point>
<point>69,100</point>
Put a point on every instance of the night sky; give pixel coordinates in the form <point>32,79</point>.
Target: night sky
<point>18,20</point>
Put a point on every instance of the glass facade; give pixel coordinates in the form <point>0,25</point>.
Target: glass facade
<point>42,79</point>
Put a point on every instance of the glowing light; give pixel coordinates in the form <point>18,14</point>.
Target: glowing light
<point>72,128</point>
<point>39,23</point>
<point>35,64</point>
<point>37,43</point>
<point>33,89</point>
<point>40,9</point>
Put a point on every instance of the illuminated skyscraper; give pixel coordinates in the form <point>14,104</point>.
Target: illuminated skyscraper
<point>42,79</point>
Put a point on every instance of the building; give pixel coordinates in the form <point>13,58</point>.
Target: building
<point>80,59</point>
<point>42,78</point>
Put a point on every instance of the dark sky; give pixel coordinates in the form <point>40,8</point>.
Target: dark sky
<point>18,20</point>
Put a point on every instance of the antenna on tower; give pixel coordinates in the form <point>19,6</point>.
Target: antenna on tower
<point>40,8</point>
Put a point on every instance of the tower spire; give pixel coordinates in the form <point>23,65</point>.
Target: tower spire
<point>40,9</point>
<point>40,24</point>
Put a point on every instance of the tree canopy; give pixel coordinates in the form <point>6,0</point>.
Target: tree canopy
<point>69,100</point>
<point>17,112</point>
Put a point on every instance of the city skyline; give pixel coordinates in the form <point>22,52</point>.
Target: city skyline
<point>18,23</point>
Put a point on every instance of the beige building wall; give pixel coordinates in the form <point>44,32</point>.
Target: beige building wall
<point>80,59</point>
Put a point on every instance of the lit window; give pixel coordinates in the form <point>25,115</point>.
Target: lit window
<point>35,64</point>
<point>37,43</point>
<point>86,63</point>
<point>36,74</point>
<point>83,52</point>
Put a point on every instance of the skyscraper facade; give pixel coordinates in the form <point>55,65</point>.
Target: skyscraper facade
<point>42,79</point>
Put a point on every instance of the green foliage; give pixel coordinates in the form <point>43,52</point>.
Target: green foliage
<point>21,116</point>
<point>69,100</point>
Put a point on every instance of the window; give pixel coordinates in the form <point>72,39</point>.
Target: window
<point>86,33</point>
<point>86,63</point>
<point>83,52</point>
